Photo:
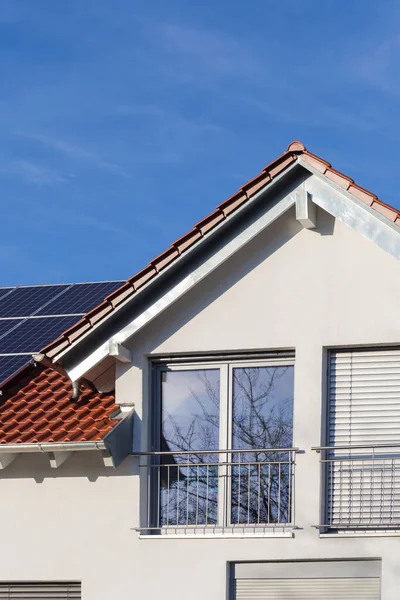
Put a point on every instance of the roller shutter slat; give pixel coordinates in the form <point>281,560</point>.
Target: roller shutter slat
<point>354,588</point>
<point>40,591</point>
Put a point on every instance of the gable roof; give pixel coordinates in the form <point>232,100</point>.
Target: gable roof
<point>295,151</point>
<point>36,408</point>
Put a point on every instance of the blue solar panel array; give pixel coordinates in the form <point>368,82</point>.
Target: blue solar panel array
<point>33,316</point>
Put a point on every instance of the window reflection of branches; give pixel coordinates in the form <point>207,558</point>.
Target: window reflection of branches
<point>261,418</point>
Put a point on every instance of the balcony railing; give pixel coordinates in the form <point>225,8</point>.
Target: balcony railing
<point>362,487</point>
<point>218,491</point>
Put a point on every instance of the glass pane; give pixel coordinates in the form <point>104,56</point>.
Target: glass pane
<point>190,422</point>
<point>262,418</point>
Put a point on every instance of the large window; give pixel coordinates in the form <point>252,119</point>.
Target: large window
<point>223,435</point>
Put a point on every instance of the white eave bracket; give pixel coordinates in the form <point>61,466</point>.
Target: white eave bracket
<point>58,458</point>
<point>7,459</point>
<point>119,352</point>
<point>306,210</point>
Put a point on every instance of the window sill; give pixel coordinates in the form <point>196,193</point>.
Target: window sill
<point>360,534</point>
<point>282,533</point>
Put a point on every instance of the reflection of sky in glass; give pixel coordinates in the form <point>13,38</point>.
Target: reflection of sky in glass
<point>190,409</point>
<point>262,407</point>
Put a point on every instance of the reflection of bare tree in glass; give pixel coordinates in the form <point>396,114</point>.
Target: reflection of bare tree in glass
<point>259,481</point>
<point>189,482</point>
<point>261,418</point>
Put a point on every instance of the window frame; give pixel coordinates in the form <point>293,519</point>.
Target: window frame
<point>226,365</point>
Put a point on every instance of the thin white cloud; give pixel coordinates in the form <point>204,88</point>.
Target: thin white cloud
<point>215,51</point>
<point>76,153</point>
<point>32,172</point>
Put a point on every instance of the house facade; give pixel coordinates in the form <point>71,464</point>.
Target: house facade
<point>240,433</point>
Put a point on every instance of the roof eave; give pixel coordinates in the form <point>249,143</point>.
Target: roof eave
<point>115,446</point>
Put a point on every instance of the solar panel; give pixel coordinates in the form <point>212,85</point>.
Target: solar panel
<point>24,336</point>
<point>80,298</point>
<point>34,333</point>
<point>25,301</point>
<point>5,291</point>
<point>8,324</point>
<point>11,364</point>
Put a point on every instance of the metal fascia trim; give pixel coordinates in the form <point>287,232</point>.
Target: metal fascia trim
<point>52,447</point>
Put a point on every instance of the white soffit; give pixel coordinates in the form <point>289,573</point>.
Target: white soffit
<point>353,212</point>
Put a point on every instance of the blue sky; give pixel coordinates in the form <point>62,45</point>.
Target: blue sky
<point>122,123</point>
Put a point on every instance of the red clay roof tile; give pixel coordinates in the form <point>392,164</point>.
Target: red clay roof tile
<point>295,150</point>
<point>339,178</point>
<point>27,418</point>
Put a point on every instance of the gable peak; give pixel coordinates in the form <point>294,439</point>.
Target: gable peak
<point>296,146</point>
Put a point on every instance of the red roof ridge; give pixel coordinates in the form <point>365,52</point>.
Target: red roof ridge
<point>295,150</point>
<point>296,146</point>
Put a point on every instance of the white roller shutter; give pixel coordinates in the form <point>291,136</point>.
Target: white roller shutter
<point>40,590</point>
<point>364,408</point>
<point>308,589</point>
<point>364,402</point>
<point>307,580</point>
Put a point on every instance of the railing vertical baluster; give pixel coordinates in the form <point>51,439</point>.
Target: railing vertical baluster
<point>269,494</point>
<point>371,488</point>
<point>207,492</point>
<point>158,523</point>
<point>350,484</point>
<point>248,492</point>
<point>361,519</point>
<point>289,500</point>
<point>168,493</point>
<point>149,482</point>
<point>331,465</point>
<point>279,493</point>
<point>340,491</point>
<point>187,488</point>
<point>382,499</point>
<point>197,494</point>
<point>177,494</point>
<point>259,493</point>
<point>392,487</point>
<point>238,503</point>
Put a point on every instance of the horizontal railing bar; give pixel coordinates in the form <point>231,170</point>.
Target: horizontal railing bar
<point>227,451</point>
<point>355,447</point>
<point>349,525</point>
<point>218,464</point>
<point>244,526</point>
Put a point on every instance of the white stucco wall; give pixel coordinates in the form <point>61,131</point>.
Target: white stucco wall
<point>290,288</point>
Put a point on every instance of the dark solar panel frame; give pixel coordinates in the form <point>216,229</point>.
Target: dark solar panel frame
<point>24,328</point>
<point>80,298</point>
<point>11,364</point>
<point>7,324</point>
<point>35,333</point>
<point>25,301</point>
<point>5,291</point>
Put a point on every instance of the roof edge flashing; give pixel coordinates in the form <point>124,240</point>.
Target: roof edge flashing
<point>45,447</point>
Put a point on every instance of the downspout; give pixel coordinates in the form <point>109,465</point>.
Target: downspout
<point>75,391</point>
<point>46,362</point>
